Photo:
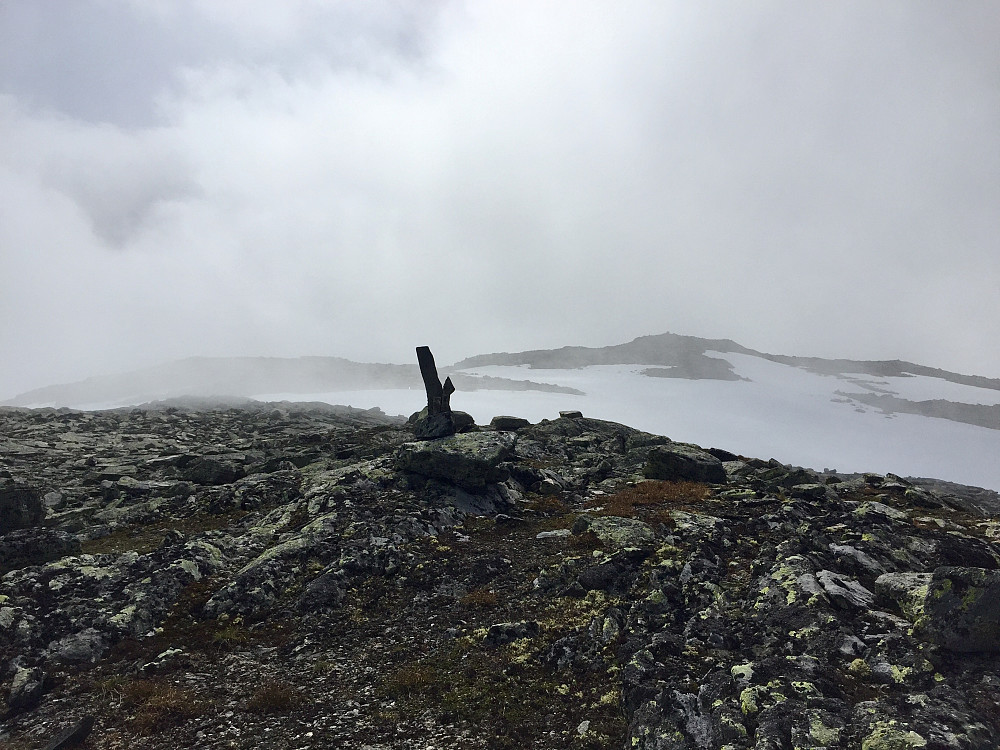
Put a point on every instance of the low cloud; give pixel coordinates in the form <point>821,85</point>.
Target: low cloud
<point>320,179</point>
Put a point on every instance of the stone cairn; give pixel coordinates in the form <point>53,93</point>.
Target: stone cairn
<point>437,420</point>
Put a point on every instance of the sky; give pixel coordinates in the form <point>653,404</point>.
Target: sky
<point>356,178</point>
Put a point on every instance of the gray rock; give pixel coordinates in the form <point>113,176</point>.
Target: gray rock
<point>26,690</point>
<point>845,591</point>
<point>681,461</point>
<point>206,470</point>
<point>864,561</point>
<point>463,421</point>
<point>907,590</point>
<point>35,546</point>
<point>508,424</point>
<point>86,646</point>
<point>52,499</point>
<point>813,491</point>
<point>874,508</point>
<point>325,592</point>
<point>962,609</point>
<point>434,426</point>
<point>20,506</point>
<point>470,461</point>
<point>555,534</point>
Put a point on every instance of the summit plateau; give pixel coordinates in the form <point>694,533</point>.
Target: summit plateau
<point>295,575</point>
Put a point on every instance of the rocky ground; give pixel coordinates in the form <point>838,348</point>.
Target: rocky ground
<point>302,576</point>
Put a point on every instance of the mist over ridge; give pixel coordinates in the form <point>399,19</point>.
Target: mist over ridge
<point>856,415</point>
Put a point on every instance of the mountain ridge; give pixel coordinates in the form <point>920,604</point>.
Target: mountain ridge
<point>685,356</point>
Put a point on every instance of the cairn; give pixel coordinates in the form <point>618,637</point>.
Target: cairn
<point>437,419</point>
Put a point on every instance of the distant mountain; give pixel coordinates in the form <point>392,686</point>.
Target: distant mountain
<point>684,354</point>
<point>687,356</point>
<point>248,376</point>
<point>883,415</point>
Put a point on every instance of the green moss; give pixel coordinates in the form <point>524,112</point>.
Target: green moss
<point>942,588</point>
<point>889,736</point>
<point>860,669</point>
<point>749,700</point>
<point>805,689</point>
<point>807,632</point>
<point>822,734</point>
<point>899,674</point>
<point>972,595</point>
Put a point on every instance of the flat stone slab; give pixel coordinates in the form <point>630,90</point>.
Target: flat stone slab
<point>508,424</point>
<point>681,461</point>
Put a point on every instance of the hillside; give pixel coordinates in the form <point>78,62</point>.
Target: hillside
<point>294,575</point>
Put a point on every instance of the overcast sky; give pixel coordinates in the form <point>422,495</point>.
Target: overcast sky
<point>300,177</point>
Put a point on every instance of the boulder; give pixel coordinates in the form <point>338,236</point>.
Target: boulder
<point>962,609</point>
<point>907,590</point>
<point>206,470</point>
<point>844,591</point>
<point>323,593</point>
<point>508,424</point>
<point>20,506</point>
<point>470,460</point>
<point>35,546</point>
<point>813,491</point>
<point>681,461</point>
<point>88,645</point>
<point>434,426</point>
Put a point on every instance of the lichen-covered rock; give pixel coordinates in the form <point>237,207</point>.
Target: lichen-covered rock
<point>681,461</point>
<point>962,609</point>
<point>469,460</point>
<point>907,590</point>
<point>616,532</point>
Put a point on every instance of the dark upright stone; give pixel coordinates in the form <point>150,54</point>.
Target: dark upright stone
<point>440,420</point>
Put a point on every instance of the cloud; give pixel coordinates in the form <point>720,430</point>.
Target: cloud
<point>336,178</point>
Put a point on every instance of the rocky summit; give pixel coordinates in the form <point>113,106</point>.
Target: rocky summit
<point>306,576</point>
